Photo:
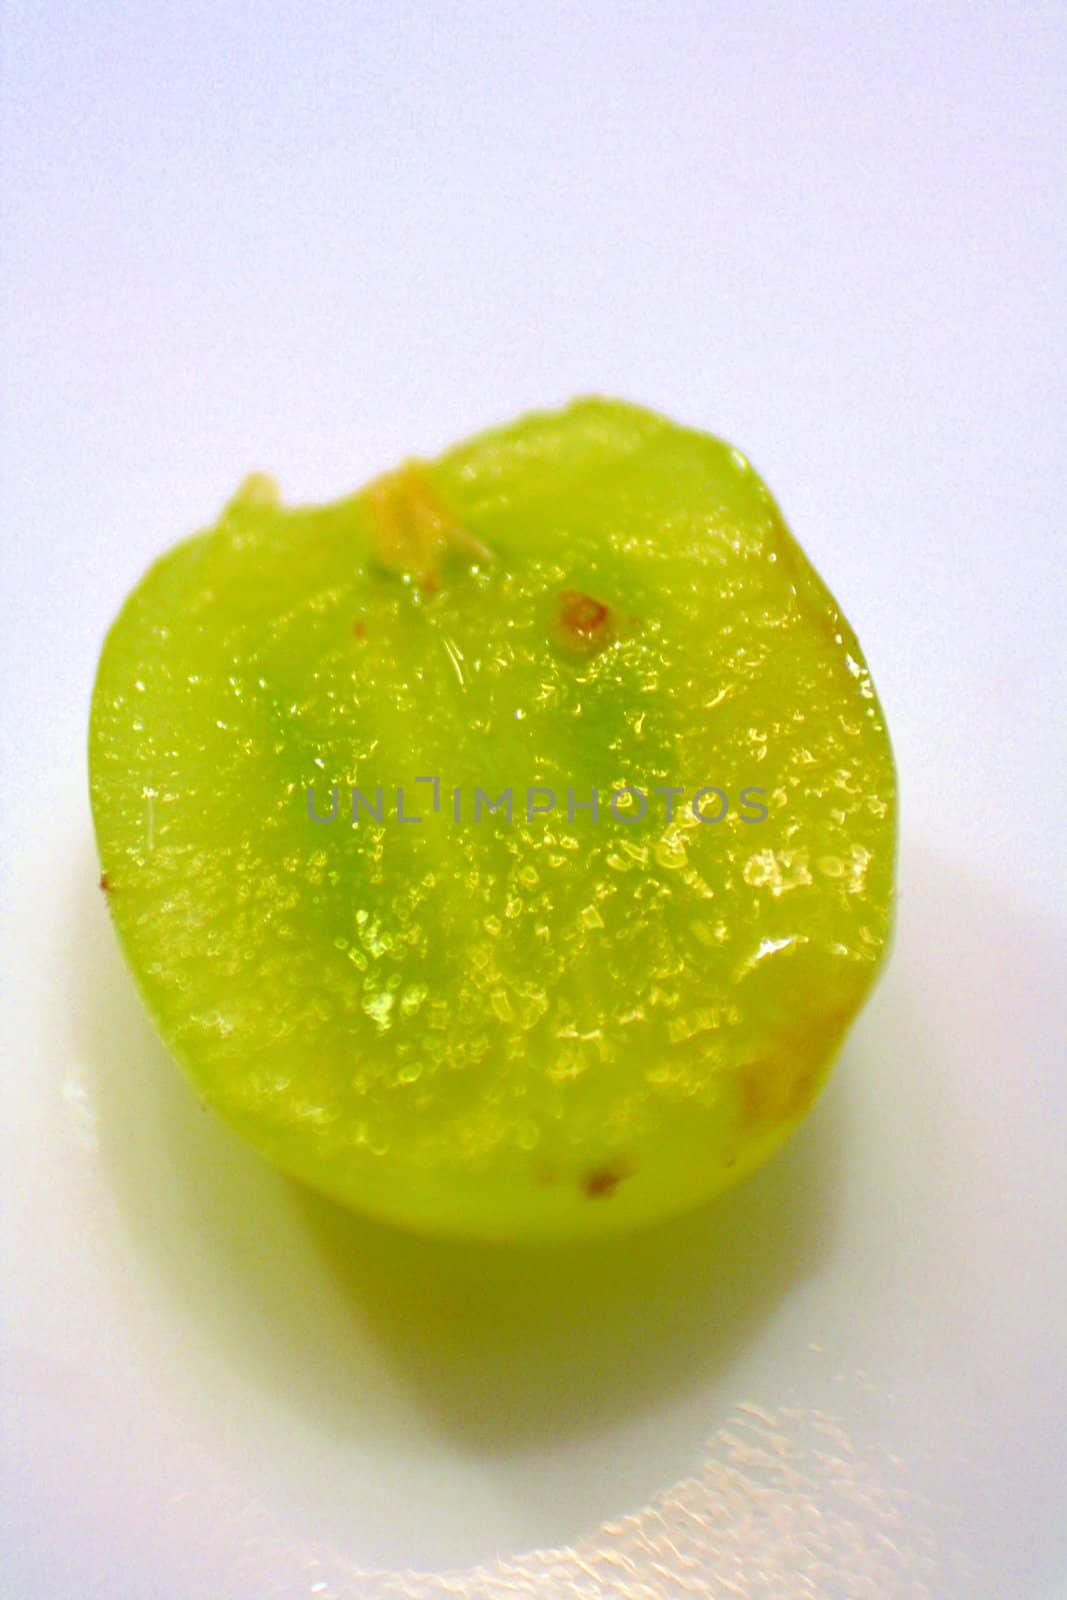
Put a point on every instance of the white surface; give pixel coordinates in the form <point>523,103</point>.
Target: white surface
<point>315,239</point>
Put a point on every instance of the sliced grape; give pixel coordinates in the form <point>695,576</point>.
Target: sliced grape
<point>526,1025</point>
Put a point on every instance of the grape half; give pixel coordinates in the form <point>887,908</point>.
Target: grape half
<point>531,1025</point>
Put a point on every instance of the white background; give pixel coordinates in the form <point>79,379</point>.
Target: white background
<point>314,239</point>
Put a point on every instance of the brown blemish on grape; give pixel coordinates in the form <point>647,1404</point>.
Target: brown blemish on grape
<point>780,1088</point>
<point>359,630</point>
<point>601,1182</point>
<point>773,1092</point>
<point>412,529</point>
<point>584,623</point>
<point>760,1083</point>
<point>104,883</point>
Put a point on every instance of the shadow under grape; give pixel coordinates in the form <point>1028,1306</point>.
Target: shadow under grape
<point>375,1338</point>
